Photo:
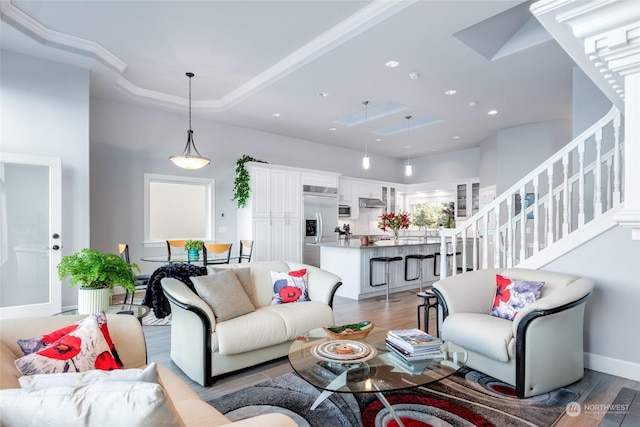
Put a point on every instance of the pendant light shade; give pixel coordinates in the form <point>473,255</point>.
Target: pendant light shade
<point>365,159</point>
<point>408,169</point>
<point>190,158</point>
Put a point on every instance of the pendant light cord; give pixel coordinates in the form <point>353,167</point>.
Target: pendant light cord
<point>190,75</point>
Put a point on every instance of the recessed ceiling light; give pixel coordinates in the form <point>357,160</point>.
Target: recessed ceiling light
<point>333,129</point>
<point>391,64</point>
<point>276,114</point>
<point>451,92</point>
<point>473,103</point>
<point>378,139</point>
<point>414,75</point>
<point>492,112</point>
<point>455,137</point>
<point>323,94</point>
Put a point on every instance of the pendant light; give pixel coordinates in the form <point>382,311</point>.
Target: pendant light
<point>365,159</point>
<point>186,160</point>
<point>408,169</point>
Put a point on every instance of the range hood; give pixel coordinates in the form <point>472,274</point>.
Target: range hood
<point>372,203</point>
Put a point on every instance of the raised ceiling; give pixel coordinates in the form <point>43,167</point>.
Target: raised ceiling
<point>264,65</point>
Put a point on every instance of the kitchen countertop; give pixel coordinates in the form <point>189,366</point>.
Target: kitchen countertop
<point>355,243</point>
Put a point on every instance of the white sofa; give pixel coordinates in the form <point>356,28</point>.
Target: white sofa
<point>540,350</point>
<point>204,348</point>
<point>128,338</point>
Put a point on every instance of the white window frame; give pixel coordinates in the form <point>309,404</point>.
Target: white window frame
<point>207,183</point>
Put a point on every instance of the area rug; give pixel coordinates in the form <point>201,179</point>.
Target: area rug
<point>468,398</point>
<point>150,319</point>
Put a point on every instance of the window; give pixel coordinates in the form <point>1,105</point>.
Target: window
<point>177,207</point>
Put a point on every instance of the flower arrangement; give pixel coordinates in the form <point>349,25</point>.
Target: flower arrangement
<point>394,221</point>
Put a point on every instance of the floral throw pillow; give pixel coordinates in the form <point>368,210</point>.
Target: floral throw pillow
<point>289,287</point>
<point>512,295</point>
<point>34,344</point>
<point>83,348</point>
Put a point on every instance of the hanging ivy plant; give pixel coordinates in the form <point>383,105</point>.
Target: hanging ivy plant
<point>241,187</point>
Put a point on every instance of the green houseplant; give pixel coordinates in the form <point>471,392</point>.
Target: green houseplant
<point>241,188</point>
<point>193,248</point>
<point>97,274</point>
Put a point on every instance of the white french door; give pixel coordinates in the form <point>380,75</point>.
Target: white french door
<point>30,235</point>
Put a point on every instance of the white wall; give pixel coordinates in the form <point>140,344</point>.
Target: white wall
<point>612,340</point>
<point>520,149</point>
<point>453,166</point>
<point>45,112</point>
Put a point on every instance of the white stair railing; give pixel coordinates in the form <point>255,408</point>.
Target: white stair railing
<point>576,185</point>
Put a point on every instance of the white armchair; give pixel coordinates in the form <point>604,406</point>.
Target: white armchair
<point>540,350</point>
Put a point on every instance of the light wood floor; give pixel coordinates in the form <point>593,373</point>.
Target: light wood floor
<point>594,389</point>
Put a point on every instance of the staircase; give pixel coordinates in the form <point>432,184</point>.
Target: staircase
<point>593,183</point>
<point>566,201</point>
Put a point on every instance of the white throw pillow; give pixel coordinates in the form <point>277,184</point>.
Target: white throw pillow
<point>74,379</point>
<point>103,403</point>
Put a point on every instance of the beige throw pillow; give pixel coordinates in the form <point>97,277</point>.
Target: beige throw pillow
<point>224,294</point>
<point>244,276</point>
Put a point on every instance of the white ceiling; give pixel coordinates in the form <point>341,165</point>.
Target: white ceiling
<point>252,59</point>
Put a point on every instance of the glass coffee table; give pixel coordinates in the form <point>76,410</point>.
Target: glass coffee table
<point>133,309</point>
<point>383,372</point>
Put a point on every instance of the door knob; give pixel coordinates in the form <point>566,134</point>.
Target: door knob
<point>55,247</point>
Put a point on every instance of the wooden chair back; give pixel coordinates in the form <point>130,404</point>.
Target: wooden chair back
<point>223,250</point>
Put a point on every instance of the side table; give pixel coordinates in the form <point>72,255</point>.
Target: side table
<point>134,309</point>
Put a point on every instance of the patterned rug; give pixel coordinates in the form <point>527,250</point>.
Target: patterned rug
<point>468,398</point>
<point>150,319</point>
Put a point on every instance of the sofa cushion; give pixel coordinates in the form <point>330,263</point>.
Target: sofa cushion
<point>289,286</point>
<point>487,335</point>
<point>512,295</point>
<point>122,403</point>
<point>34,344</point>
<point>244,277</point>
<point>74,379</point>
<point>81,349</point>
<point>301,317</point>
<point>224,294</point>
<point>260,329</point>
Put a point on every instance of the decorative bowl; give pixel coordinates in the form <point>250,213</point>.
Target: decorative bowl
<point>354,331</point>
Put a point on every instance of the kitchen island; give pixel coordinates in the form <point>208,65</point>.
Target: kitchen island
<point>350,261</point>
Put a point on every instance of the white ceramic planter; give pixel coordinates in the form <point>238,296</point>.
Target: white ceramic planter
<point>93,300</point>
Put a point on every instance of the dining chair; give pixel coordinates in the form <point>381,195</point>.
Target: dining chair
<point>246,249</point>
<point>141,280</point>
<point>175,244</point>
<point>220,253</point>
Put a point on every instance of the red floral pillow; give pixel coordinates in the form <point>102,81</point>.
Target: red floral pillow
<point>82,348</point>
<point>512,295</point>
<point>289,287</point>
<point>34,344</point>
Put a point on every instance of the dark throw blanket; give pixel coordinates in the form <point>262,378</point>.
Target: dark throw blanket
<point>154,297</point>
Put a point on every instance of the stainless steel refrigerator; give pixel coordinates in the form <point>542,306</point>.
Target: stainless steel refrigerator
<point>320,221</point>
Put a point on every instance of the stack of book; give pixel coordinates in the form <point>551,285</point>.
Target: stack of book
<point>413,344</point>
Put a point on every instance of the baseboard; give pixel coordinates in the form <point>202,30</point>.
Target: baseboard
<point>611,366</point>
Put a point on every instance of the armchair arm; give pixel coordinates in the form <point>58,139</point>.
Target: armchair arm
<point>470,292</point>
<point>180,295</point>
<point>559,300</point>
<point>322,284</point>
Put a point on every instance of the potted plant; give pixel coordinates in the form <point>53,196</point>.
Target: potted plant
<point>98,274</point>
<point>193,248</point>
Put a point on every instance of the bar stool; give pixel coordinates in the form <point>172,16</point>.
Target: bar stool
<point>435,260</point>
<point>430,300</point>
<point>386,261</point>
<point>419,258</point>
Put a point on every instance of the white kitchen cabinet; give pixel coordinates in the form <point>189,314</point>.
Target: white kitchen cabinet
<point>320,179</point>
<point>467,200</point>
<point>369,190</point>
<point>272,217</point>
<point>347,191</point>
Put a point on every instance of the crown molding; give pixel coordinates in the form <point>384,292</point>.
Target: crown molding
<point>56,39</point>
<point>367,17</point>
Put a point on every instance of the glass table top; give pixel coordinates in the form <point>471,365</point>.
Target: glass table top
<point>134,309</point>
<point>384,372</point>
